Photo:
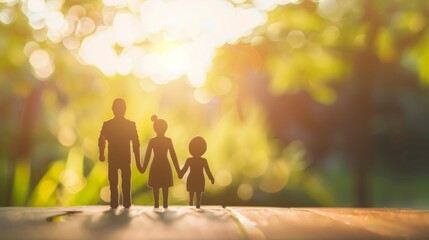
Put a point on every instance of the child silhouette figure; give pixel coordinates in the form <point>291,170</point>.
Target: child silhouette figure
<point>197,164</point>
<point>160,175</point>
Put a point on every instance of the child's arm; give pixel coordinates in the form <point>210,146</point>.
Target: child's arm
<point>184,169</point>
<point>209,174</point>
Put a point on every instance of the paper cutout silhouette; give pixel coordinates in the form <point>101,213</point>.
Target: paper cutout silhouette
<point>160,174</point>
<point>197,165</point>
<point>119,132</point>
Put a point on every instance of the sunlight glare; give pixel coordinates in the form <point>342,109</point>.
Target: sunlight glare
<point>77,11</point>
<point>105,194</point>
<point>9,2</point>
<point>42,64</point>
<point>66,136</point>
<point>98,50</point>
<point>196,77</point>
<point>177,61</point>
<point>54,4</point>
<point>223,177</point>
<point>57,26</point>
<point>85,26</point>
<point>201,96</point>
<point>148,85</point>
<point>296,38</point>
<point>7,15</point>
<point>178,38</point>
<point>271,4</point>
<point>115,2</point>
<point>125,26</point>
<point>125,64</point>
<point>147,65</point>
<point>30,47</point>
<point>245,191</point>
<point>36,5</point>
<point>71,42</point>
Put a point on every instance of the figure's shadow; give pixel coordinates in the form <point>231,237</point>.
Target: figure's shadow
<point>108,220</point>
<point>167,217</point>
<point>214,217</point>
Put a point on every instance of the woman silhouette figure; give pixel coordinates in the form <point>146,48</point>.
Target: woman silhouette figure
<point>160,174</point>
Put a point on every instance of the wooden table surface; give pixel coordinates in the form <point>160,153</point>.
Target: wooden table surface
<point>212,222</point>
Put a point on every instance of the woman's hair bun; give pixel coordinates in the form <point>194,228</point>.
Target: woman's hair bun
<point>154,118</point>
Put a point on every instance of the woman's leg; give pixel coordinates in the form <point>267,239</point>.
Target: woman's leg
<point>155,192</point>
<point>199,194</point>
<point>191,198</point>
<point>165,197</point>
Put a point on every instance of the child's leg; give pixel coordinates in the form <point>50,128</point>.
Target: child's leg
<point>155,192</point>
<point>199,194</point>
<point>165,197</point>
<point>191,198</point>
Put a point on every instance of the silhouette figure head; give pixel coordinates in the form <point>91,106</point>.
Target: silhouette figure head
<point>159,125</point>
<point>197,146</point>
<point>119,107</point>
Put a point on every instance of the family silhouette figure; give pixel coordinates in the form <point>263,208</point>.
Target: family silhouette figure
<point>119,132</point>
<point>196,165</point>
<point>160,175</point>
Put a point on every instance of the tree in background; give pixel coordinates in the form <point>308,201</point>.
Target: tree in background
<point>345,54</point>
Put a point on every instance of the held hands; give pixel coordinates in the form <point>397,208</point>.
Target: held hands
<point>141,169</point>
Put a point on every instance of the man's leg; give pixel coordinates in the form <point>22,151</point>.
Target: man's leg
<point>126,186</point>
<point>113,181</point>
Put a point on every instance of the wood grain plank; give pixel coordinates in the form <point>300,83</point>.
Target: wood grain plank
<point>180,222</point>
<point>98,222</point>
<point>335,223</point>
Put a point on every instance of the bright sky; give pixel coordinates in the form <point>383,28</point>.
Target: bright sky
<point>182,35</point>
<point>160,39</point>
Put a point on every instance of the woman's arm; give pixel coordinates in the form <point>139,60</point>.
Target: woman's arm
<point>209,174</point>
<point>184,169</point>
<point>173,156</point>
<point>147,156</point>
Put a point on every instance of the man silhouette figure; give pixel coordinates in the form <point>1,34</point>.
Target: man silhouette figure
<point>119,132</point>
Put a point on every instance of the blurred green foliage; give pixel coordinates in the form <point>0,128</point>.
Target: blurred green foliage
<point>341,53</point>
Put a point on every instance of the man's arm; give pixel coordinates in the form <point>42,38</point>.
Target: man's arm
<point>102,144</point>
<point>136,147</point>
